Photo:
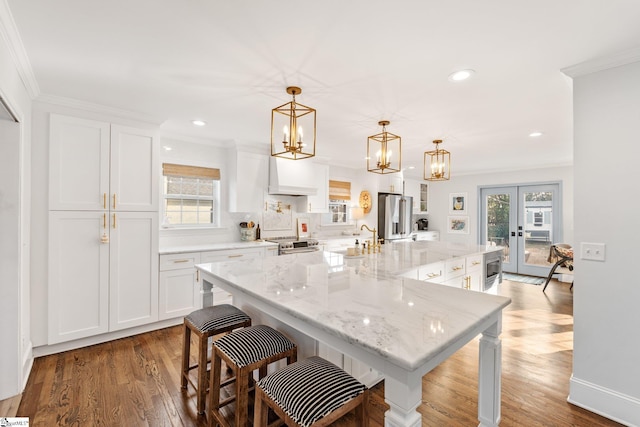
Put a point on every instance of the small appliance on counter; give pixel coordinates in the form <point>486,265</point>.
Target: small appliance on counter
<point>422,223</point>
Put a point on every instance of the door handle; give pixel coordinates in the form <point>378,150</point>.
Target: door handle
<point>513,234</point>
<point>519,233</point>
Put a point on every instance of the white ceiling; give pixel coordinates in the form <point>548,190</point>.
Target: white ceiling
<point>357,62</point>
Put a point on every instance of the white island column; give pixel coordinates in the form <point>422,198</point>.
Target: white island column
<point>489,377</point>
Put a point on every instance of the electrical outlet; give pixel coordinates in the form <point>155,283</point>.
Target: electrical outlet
<point>592,251</point>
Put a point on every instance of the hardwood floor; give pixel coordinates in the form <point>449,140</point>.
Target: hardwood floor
<point>135,381</point>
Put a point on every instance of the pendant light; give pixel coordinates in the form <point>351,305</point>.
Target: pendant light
<point>437,164</point>
<point>384,151</point>
<point>293,129</point>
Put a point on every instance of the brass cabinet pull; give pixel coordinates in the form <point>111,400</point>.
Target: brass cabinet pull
<point>234,256</point>
<point>104,220</point>
<point>309,207</point>
<point>475,263</point>
<point>265,206</point>
<point>456,268</point>
<point>104,200</point>
<point>432,275</point>
<point>114,200</point>
<point>197,275</point>
<point>114,220</point>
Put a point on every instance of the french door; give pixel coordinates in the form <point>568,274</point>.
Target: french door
<point>525,220</point>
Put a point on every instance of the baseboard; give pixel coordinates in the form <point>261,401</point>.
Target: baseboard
<point>99,339</point>
<point>602,401</point>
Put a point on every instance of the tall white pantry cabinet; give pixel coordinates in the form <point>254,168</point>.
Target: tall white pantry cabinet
<point>103,228</point>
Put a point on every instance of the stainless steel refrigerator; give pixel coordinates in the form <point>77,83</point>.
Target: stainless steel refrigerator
<point>394,216</point>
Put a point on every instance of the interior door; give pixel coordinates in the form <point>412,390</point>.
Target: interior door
<point>525,220</point>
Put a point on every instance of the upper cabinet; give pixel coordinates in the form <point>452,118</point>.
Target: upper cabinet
<point>420,192</point>
<point>319,203</point>
<point>99,166</point>
<point>248,174</point>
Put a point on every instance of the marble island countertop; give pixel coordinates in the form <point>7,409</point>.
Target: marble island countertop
<point>180,249</point>
<point>363,301</point>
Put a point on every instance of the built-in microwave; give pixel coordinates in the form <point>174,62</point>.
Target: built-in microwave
<point>492,269</point>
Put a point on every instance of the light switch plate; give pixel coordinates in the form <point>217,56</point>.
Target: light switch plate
<point>592,251</point>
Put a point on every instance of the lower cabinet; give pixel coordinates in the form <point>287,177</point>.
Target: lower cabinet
<point>474,274</point>
<point>103,272</point>
<point>360,371</point>
<point>178,287</point>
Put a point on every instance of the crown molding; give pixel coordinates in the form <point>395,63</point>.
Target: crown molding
<point>100,109</point>
<point>599,64</point>
<point>10,34</point>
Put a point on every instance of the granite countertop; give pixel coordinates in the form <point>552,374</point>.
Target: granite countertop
<point>363,300</point>
<point>181,249</point>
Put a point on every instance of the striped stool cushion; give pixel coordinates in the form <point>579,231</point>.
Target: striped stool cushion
<point>252,344</point>
<point>310,389</point>
<point>216,317</point>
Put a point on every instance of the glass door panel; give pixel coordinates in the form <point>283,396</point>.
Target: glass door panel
<point>524,220</point>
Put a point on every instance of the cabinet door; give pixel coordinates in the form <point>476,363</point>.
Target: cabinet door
<point>179,293</point>
<point>78,276</point>
<point>134,169</point>
<point>78,164</point>
<point>133,283</point>
<point>230,255</point>
<point>320,202</point>
<point>249,173</point>
<point>271,251</point>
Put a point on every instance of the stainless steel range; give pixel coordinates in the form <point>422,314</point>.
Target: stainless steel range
<point>292,245</point>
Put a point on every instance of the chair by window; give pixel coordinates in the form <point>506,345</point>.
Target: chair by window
<point>561,254</point>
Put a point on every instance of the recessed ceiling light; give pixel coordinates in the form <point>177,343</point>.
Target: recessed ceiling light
<point>535,134</point>
<point>167,148</point>
<point>198,122</point>
<point>458,76</point>
<point>412,167</point>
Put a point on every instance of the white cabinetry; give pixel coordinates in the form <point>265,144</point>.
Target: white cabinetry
<point>178,289</point>
<point>78,276</point>
<point>474,273</point>
<point>454,270</point>
<point>103,228</point>
<point>320,202</point>
<point>97,166</point>
<point>427,235</point>
<point>248,174</point>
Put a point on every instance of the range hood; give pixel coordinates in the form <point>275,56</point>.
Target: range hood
<point>292,177</point>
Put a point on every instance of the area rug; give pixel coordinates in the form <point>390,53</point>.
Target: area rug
<point>532,280</point>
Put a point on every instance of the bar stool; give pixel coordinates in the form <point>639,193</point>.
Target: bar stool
<point>243,352</point>
<point>310,393</point>
<point>205,323</point>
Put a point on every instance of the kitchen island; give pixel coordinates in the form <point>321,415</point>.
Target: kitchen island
<point>361,307</point>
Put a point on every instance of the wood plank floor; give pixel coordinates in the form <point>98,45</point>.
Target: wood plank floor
<point>135,381</point>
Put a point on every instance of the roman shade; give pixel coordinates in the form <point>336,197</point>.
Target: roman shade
<point>170,169</point>
<point>339,190</point>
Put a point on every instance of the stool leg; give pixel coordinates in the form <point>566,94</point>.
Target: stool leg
<point>214,388</point>
<point>362,414</point>
<point>261,410</point>
<point>202,373</point>
<point>186,347</point>
<point>242,397</point>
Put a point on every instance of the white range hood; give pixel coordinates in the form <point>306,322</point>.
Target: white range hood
<point>292,177</point>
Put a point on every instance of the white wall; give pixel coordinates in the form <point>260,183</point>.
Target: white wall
<point>439,195</point>
<point>16,356</point>
<point>606,368</point>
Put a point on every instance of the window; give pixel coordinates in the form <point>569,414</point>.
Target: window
<point>339,197</point>
<point>191,195</point>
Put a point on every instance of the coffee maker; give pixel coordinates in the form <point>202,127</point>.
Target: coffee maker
<point>422,223</point>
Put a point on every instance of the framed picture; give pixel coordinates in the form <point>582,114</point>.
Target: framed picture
<point>458,203</point>
<point>458,224</point>
<point>304,229</point>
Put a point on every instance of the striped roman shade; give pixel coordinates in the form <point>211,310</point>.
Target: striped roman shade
<point>170,169</point>
<point>310,389</point>
<point>339,190</point>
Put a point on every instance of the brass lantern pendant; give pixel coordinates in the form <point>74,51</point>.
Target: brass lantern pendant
<point>384,151</point>
<point>293,129</point>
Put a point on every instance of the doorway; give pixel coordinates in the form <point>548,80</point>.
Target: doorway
<point>525,220</point>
